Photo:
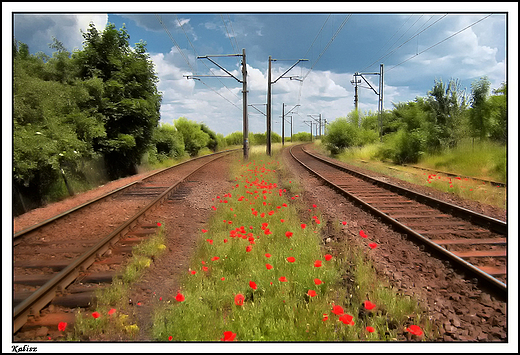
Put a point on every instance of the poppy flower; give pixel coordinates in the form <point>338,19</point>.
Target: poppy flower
<point>62,326</point>
<point>268,266</point>
<point>267,255</point>
<point>325,317</point>
<point>303,225</point>
<point>252,284</point>
<point>179,297</point>
<point>317,263</point>
<point>249,248</point>
<point>96,314</point>
<point>372,245</point>
<point>239,299</point>
<point>159,224</point>
<point>415,329</point>
<point>170,338</point>
<point>225,240</point>
<point>112,311</point>
<point>204,230</point>
<point>314,206</point>
<point>369,305</point>
<point>204,268</point>
<point>193,272</point>
<point>291,259</point>
<point>288,234</point>
<point>362,234</point>
<point>347,319</point>
<point>318,281</point>
<point>311,293</point>
<point>210,241</point>
<point>283,279</point>
<point>344,223</point>
<point>222,278</point>
<point>215,258</point>
<point>228,336</point>
<point>328,257</point>
<point>338,310</point>
<point>370,329</point>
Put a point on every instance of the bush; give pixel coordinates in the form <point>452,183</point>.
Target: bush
<point>402,147</point>
<point>340,135</point>
<point>301,137</point>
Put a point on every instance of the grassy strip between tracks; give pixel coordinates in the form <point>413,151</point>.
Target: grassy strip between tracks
<point>110,319</point>
<point>261,274</point>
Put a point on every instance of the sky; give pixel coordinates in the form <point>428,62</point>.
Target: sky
<point>416,47</point>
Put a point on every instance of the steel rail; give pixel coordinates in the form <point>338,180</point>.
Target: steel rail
<point>63,214</point>
<point>471,268</point>
<point>41,297</point>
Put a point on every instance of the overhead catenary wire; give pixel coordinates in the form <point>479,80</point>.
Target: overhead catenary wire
<point>436,44</point>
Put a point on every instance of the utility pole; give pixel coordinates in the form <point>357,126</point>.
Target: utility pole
<point>318,122</point>
<point>356,98</point>
<point>379,94</point>
<point>245,130</point>
<point>283,120</point>
<point>307,123</point>
<point>269,83</point>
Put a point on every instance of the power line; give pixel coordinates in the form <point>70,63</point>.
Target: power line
<point>436,44</point>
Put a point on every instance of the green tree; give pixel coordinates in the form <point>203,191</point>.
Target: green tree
<point>167,142</point>
<point>193,136</point>
<point>130,102</point>
<point>498,108</point>
<point>213,141</point>
<point>480,112</point>
<point>341,134</point>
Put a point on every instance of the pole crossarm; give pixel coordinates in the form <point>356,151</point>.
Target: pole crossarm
<point>292,66</point>
<point>218,65</point>
<point>253,106</point>
<point>286,113</point>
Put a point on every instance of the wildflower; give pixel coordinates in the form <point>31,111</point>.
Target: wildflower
<point>372,245</point>
<point>267,255</point>
<point>317,263</point>
<point>338,310</point>
<point>222,278</point>
<point>314,206</point>
<point>225,240</point>
<point>328,257</point>
<point>228,336</point>
<point>347,319</point>
<point>362,234</point>
<point>249,248</point>
<point>303,225</point>
<point>239,299</point>
<point>112,311</point>
<point>291,259</point>
<point>370,329</point>
<point>282,279</point>
<point>193,272</point>
<point>215,258</point>
<point>288,234</point>
<point>318,281</point>
<point>369,305</point>
<point>170,338</point>
<point>344,223</point>
<point>210,241</point>
<point>96,314</point>
<point>311,293</point>
<point>62,326</point>
<point>204,268</point>
<point>159,224</point>
<point>252,284</point>
<point>179,297</point>
<point>204,230</point>
<point>415,329</point>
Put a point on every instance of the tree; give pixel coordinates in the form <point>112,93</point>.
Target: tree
<point>341,134</point>
<point>498,108</point>
<point>168,143</point>
<point>194,137</point>
<point>480,112</point>
<point>130,102</point>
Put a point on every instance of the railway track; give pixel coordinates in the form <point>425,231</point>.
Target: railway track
<point>475,242</point>
<point>51,267</point>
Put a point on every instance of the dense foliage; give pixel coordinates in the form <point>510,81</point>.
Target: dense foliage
<point>426,125</point>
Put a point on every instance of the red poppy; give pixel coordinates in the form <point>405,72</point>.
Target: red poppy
<point>228,336</point>
<point>291,259</point>
<point>415,329</point>
<point>239,299</point>
<point>311,293</point>
<point>338,310</point>
<point>372,245</point>
<point>204,268</point>
<point>317,263</point>
<point>318,281</point>
<point>317,221</point>
<point>96,314</point>
<point>210,241</point>
<point>267,255</point>
<point>328,257</point>
<point>268,266</point>
<point>344,223</point>
<point>222,278</point>
<point>325,317</point>
<point>225,240</point>
<point>193,272</point>
<point>369,305</point>
<point>170,338</point>
<point>288,234</point>
<point>314,206</point>
<point>303,225</point>
<point>215,258</point>
<point>283,279</point>
<point>112,311</point>
<point>62,326</point>
<point>159,224</point>
<point>370,329</point>
<point>347,319</point>
<point>179,297</point>
<point>204,230</point>
<point>249,248</point>
<point>362,234</point>
<point>252,284</point>
<point>282,220</point>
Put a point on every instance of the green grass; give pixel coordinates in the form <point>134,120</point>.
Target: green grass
<point>275,311</point>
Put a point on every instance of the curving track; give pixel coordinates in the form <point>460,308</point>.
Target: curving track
<point>99,235</point>
<point>474,241</point>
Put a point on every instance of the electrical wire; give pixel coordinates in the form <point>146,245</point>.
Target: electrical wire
<point>436,44</point>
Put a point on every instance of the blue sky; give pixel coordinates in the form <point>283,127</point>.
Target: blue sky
<point>338,39</point>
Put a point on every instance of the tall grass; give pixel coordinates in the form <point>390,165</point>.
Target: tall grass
<point>257,214</point>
